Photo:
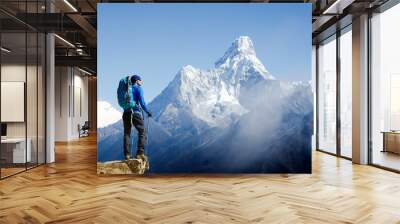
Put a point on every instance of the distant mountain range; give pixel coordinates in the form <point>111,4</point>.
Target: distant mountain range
<point>233,118</point>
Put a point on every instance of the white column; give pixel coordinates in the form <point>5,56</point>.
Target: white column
<point>50,100</point>
<point>360,90</point>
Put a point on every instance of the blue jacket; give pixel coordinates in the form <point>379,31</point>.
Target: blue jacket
<point>138,99</point>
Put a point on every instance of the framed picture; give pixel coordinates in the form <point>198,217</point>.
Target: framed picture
<point>204,88</point>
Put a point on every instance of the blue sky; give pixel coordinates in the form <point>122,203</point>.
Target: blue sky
<point>156,40</point>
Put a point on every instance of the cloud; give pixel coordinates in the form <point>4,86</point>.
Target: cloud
<point>107,114</point>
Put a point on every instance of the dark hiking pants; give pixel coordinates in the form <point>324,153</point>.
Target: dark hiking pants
<point>129,118</point>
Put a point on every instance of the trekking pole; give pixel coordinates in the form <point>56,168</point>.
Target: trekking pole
<point>147,129</point>
<point>130,135</point>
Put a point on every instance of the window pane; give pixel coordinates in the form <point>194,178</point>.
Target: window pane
<point>313,79</point>
<point>327,95</point>
<point>346,93</point>
<point>41,98</point>
<point>13,86</point>
<point>23,87</point>
<point>386,88</point>
<point>31,97</point>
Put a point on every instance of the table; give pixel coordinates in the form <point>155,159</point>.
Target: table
<point>13,150</point>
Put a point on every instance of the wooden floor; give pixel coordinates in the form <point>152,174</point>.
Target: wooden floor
<point>70,191</point>
<point>5,172</point>
<point>387,159</point>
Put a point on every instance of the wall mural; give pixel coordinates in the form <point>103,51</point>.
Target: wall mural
<point>204,88</point>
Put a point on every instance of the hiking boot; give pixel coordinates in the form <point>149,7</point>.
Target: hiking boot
<point>141,157</point>
<point>128,157</point>
<point>144,159</point>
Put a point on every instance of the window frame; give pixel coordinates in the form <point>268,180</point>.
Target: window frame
<point>339,32</point>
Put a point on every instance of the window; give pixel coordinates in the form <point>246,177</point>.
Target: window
<point>394,102</point>
<point>346,92</point>
<point>15,148</point>
<point>385,88</point>
<point>327,95</point>
<point>22,87</point>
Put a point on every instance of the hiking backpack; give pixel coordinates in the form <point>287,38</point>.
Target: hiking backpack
<point>124,93</point>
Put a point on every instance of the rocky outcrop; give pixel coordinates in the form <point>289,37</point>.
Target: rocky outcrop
<point>133,166</point>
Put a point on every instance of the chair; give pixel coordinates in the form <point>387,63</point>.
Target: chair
<point>84,130</point>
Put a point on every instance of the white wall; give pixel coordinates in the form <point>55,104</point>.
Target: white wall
<point>61,103</point>
<point>70,84</point>
<point>16,73</point>
<point>12,73</point>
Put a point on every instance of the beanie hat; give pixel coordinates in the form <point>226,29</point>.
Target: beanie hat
<point>134,78</point>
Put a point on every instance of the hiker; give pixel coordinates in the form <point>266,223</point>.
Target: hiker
<point>130,98</point>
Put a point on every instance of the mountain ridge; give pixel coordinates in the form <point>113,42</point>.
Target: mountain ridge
<point>235,117</point>
<point>213,95</point>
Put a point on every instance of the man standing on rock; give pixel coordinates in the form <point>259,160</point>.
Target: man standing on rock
<point>130,98</point>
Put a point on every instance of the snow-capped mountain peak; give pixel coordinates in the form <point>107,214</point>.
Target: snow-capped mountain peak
<point>189,72</point>
<point>188,68</point>
<point>212,96</point>
<point>241,46</point>
<point>240,62</point>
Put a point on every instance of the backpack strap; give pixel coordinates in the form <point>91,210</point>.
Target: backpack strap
<point>137,102</point>
<point>128,84</point>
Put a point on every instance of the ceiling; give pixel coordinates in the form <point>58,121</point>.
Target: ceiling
<point>75,22</point>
